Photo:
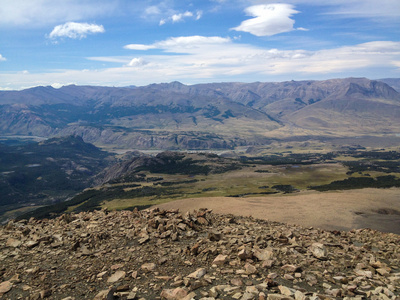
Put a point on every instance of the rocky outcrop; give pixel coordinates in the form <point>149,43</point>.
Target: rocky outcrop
<point>157,254</point>
<point>167,162</point>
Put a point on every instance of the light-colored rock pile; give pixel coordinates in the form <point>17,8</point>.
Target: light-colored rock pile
<point>164,255</point>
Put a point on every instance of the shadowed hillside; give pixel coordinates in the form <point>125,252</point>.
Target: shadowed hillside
<point>48,172</point>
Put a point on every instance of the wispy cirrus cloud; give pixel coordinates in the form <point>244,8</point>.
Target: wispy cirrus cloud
<point>268,19</point>
<point>75,30</point>
<point>364,8</point>
<point>2,58</point>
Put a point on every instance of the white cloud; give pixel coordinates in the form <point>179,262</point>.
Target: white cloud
<point>56,85</point>
<point>43,12</point>
<point>2,58</point>
<point>139,47</point>
<point>137,62</point>
<point>75,30</point>
<point>199,14</point>
<point>302,29</point>
<point>108,59</point>
<point>269,19</point>
<point>179,17</point>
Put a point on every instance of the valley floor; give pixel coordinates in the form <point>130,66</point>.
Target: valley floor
<point>377,209</point>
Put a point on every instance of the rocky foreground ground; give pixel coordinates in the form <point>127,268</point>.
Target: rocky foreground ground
<point>159,254</point>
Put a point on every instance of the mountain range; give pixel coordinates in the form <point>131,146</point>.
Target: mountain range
<point>204,116</point>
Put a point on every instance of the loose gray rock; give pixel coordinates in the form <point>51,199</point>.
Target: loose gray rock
<point>158,254</point>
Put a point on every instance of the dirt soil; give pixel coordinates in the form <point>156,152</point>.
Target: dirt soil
<point>377,209</point>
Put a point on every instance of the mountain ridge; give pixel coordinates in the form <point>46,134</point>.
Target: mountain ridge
<point>215,115</point>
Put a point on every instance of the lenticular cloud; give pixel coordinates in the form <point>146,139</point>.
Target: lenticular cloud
<point>75,30</point>
<point>269,19</point>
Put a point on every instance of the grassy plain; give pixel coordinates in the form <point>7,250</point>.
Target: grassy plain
<point>276,185</point>
<point>252,180</point>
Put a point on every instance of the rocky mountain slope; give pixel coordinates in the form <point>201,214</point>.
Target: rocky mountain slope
<point>204,116</point>
<point>156,254</point>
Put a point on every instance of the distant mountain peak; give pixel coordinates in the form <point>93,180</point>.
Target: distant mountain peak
<point>42,88</point>
<point>176,83</point>
<point>171,85</point>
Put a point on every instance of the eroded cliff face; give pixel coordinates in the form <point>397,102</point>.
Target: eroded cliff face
<point>156,254</point>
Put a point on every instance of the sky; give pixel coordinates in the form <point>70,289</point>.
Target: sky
<point>139,42</point>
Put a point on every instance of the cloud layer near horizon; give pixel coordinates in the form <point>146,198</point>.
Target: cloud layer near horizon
<point>189,61</point>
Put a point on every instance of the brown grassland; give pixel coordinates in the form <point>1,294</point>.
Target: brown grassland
<point>377,209</point>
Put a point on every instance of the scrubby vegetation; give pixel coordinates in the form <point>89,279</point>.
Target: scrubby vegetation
<point>286,188</point>
<point>290,159</point>
<point>359,183</point>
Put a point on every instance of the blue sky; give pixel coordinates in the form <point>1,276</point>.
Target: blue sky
<point>122,42</point>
